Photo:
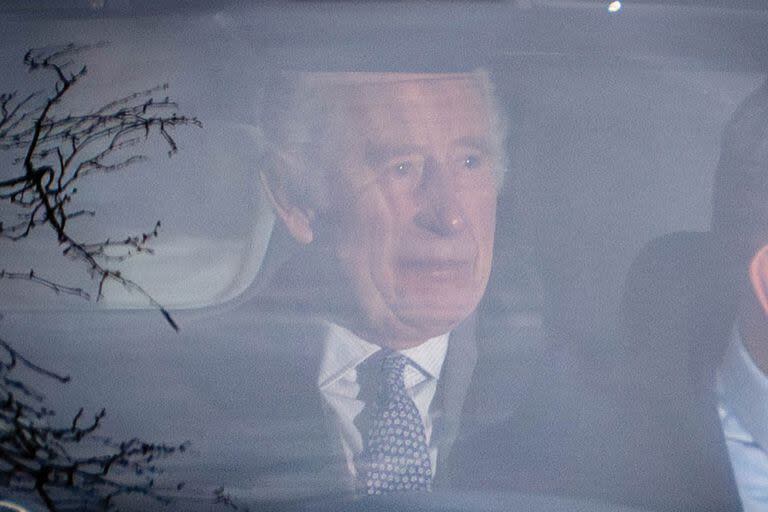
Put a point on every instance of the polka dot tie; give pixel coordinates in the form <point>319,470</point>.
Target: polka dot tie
<point>395,457</point>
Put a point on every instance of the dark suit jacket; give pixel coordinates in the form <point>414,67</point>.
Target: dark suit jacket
<point>274,436</point>
<point>679,307</point>
<point>646,433</point>
<point>271,437</point>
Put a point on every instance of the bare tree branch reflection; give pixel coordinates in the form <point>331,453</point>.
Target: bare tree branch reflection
<point>47,460</point>
<point>59,150</point>
<point>73,467</point>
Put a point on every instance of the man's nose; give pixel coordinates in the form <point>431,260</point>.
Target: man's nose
<point>441,211</point>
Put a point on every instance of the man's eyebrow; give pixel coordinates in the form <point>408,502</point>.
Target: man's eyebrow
<point>377,153</point>
<point>479,143</point>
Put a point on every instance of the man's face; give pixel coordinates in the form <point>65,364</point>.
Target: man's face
<point>413,200</point>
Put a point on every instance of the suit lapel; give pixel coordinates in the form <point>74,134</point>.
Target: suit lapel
<point>334,465</point>
<point>452,391</point>
<point>311,459</point>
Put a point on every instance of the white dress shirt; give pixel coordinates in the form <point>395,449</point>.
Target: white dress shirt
<point>338,383</point>
<point>743,392</point>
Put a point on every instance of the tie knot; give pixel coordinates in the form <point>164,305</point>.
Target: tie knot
<point>392,368</point>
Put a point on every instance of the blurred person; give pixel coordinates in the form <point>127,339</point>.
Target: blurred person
<point>696,309</point>
<point>740,224</point>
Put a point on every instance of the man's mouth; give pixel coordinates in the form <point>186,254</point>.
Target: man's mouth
<point>424,271</point>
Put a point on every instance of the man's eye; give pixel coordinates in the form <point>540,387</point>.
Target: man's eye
<point>471,161</point>
<point>403,168</point>
<point>407,167</point>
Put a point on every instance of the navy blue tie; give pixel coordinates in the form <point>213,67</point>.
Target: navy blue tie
<point>395,457</point>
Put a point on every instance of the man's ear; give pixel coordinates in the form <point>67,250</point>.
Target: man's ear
<point>298,218</point>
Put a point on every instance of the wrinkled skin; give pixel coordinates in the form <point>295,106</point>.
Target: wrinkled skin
<point>411,213</point>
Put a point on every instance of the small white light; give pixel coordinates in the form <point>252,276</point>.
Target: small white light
<point>614,6</point>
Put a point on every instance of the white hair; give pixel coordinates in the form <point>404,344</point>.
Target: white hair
<point>294,115</point>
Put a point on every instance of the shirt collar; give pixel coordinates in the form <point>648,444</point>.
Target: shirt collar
<point>429,356</point>
<point>343,350</point>
<point>743,389</point>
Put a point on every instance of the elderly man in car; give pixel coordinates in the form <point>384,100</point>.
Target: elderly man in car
<point>385,187</point>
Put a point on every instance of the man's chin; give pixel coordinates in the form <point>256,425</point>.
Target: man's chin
<point>424,322</point>
<point>410,327</point>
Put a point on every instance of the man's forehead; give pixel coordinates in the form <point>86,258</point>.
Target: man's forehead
<point>378,78</point>
<point>324,108</point>
<point>348,86</point>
